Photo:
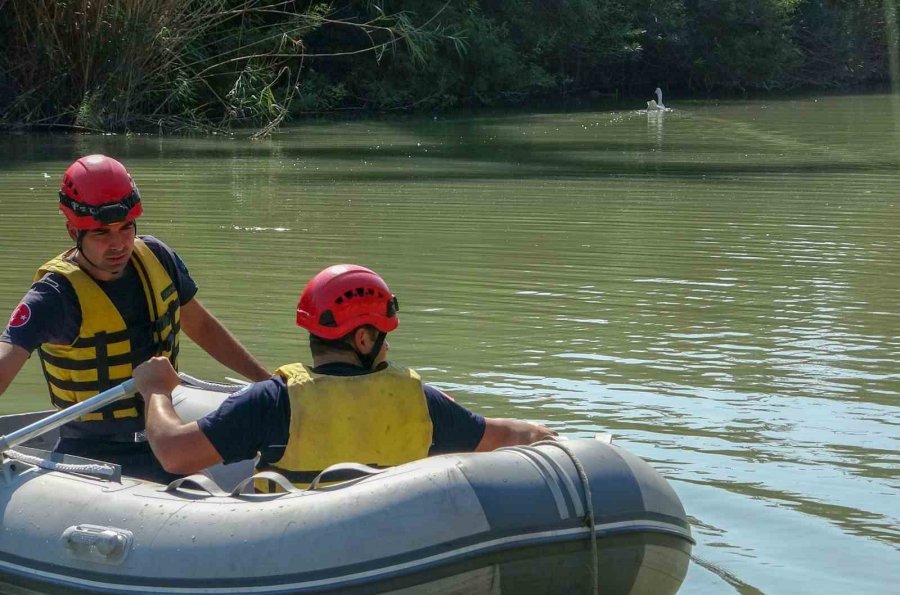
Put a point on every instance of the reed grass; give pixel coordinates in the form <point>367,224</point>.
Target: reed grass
<point>163,64</point>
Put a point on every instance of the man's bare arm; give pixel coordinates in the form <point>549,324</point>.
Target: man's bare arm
<point>181,448</point>
<point>12,358</point>
<point>511,432</point>
<point>205,330</point>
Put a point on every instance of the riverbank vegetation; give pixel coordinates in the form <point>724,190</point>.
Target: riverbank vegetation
<point>176,64</point>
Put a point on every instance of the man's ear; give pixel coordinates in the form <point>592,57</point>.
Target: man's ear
<point>362,339</point>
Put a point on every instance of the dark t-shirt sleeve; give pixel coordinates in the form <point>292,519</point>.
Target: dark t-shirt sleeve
<point>49,313</point>
<point>54,312</point>
<point>176,268</point>
<point>456,429</point>
<point>251,420</point>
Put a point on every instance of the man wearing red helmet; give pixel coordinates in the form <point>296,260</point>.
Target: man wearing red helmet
<point>350,405</point>
<point>101,308</point>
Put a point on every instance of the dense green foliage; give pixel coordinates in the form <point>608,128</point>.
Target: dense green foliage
<point>170,63</point>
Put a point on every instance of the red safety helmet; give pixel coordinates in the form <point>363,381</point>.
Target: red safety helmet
<point>97,190</point>
<point>343,297</point>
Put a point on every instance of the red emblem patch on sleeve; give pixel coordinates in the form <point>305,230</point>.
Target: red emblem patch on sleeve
<point>20,316</point>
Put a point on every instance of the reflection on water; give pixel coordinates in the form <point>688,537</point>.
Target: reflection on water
<point>717,286</point>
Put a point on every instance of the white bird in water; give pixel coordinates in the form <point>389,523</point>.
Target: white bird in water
<point>656,105</point>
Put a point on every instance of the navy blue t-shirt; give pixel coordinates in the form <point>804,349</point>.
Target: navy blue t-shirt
<point>257,419</point>
<point>50,312</point>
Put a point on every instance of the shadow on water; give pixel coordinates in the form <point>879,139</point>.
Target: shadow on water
<point>477,149</point>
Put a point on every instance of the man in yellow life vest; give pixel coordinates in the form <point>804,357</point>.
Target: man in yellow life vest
<point>350,405</point>
<point>101,308</point>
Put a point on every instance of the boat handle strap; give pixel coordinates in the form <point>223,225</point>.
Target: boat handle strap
<point>212,488</point>
<point>362,470</point>
<point>277,478</point>
<point>201,481</point>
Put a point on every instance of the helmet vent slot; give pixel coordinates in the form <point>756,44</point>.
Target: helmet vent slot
<point>327,319</point>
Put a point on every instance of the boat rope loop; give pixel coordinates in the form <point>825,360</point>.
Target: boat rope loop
<point>96,469</point>
<point>588,505</point>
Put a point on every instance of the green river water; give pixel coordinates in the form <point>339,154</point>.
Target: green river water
<point>717,286</point>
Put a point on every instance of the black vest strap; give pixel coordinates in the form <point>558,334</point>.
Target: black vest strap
<point>84,364</point>
<point>135,402</point>
<point>102,363</point>
<point>123,335</point>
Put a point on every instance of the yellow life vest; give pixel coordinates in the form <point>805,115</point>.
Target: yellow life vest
<point>102,356</point>
<point>380,419</point>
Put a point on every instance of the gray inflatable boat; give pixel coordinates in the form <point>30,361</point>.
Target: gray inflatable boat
<point>578,516</point>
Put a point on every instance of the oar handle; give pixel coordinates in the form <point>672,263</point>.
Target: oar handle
<point>66,415</point>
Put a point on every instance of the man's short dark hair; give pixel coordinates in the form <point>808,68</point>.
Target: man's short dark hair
<point>320,346</point>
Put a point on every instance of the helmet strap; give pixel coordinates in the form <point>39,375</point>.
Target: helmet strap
<point>79,239</point>
<point>368,359</point>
